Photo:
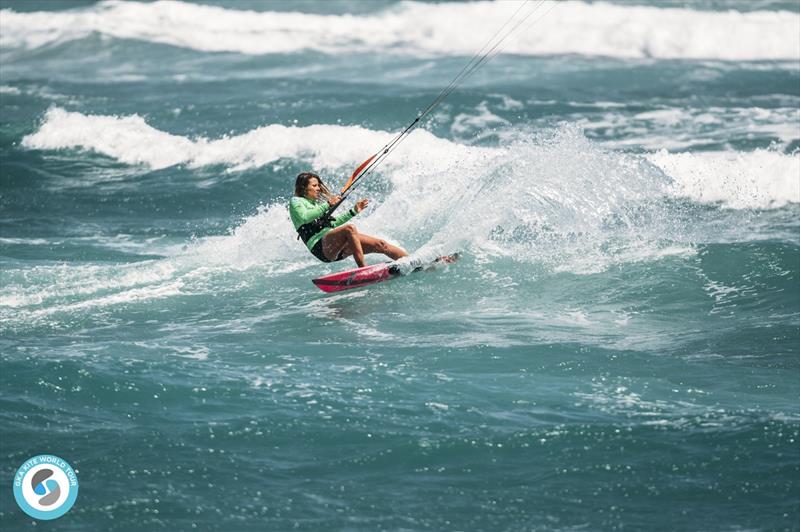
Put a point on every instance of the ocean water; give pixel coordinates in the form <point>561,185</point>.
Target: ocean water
<point>616,349</point>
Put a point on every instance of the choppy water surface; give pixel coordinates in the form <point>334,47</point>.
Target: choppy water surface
<point>617,347</point>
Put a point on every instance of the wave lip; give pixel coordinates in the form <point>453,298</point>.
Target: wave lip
<point>413,28</point>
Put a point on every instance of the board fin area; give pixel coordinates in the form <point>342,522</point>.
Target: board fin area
<point>376,273</point>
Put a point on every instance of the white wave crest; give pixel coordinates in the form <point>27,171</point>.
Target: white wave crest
<point>130,140</point>
<point>762,179</point>
<point>570,27</point>
<point>681,128</point>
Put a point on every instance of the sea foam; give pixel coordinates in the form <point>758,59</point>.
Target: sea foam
<point>422,29</point>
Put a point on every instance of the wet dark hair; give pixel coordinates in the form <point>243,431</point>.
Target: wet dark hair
<point>302,181</point>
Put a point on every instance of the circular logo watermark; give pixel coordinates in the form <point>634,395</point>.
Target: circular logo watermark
<point>45,486</point>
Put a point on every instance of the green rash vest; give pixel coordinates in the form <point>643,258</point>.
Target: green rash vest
<point>303,210</point>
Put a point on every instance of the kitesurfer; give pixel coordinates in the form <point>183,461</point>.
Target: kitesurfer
<point>331,238</point>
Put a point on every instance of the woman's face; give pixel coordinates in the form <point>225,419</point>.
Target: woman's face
<point>312,189</point>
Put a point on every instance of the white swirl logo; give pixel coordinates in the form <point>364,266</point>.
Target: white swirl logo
<point>45,487</point>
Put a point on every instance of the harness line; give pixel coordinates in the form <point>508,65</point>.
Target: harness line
<point>479,59</point>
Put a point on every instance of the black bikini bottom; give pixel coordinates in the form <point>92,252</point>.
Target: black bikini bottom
<point>317,252</point>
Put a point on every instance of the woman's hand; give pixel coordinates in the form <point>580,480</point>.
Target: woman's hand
<point>361,205</point>
<point>333,200</point>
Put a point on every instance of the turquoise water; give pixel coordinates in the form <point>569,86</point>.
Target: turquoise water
<point>616,349</point>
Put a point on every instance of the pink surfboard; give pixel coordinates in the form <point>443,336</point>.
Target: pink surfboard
<point>374,273</point>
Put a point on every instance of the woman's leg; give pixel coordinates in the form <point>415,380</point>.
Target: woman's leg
<point>370,244</point>
<point>346,240</point>
<point>343,241</point>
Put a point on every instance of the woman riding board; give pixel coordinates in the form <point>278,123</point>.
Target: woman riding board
<point>332,239</point>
